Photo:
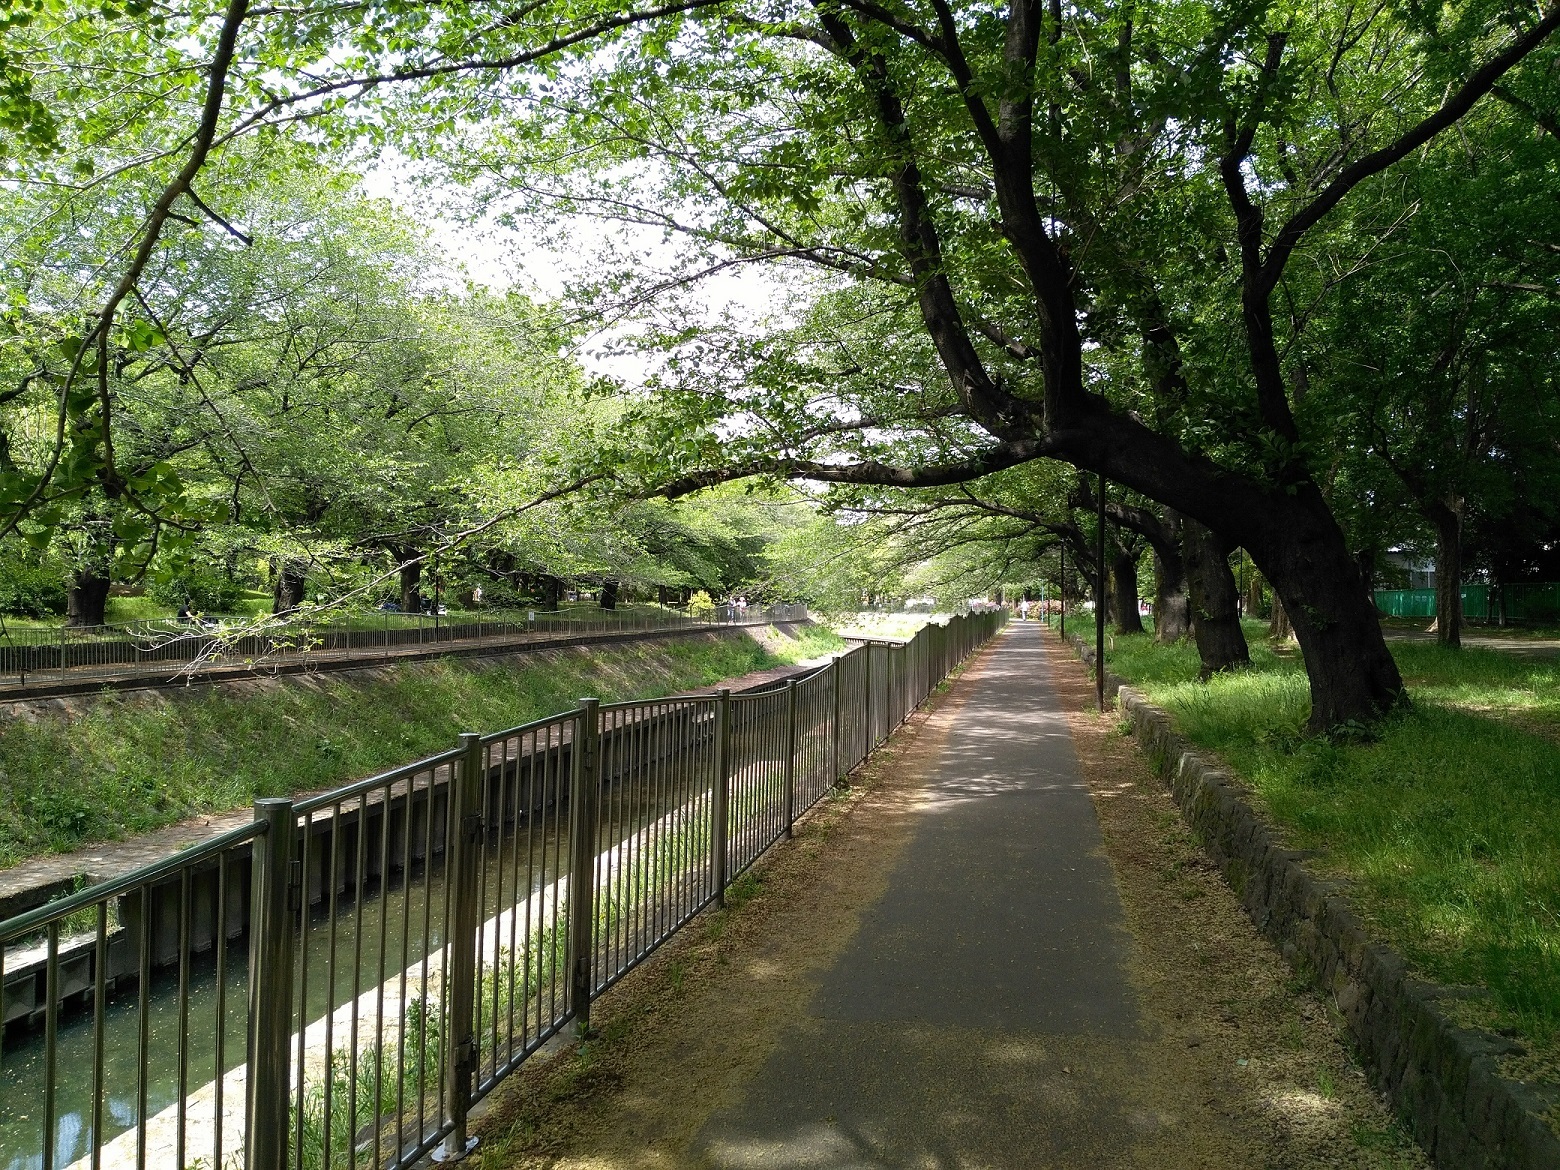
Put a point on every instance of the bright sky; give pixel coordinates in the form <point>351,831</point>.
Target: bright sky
<point>502,258</point>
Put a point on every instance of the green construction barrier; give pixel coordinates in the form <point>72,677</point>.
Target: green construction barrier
<point>1523,602</point>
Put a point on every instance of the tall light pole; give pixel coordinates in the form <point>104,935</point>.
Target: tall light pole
<point>1099,602</point>
<point>1062,588</point>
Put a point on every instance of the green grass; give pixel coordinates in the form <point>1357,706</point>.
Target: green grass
<point>1447,822</point>
<point>137,761</point>
<point>881,625</point>
<point>1526,632</point>
<point>798,643</point>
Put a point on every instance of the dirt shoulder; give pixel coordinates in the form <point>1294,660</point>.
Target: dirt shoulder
<point>685,1033</point>
<point>1257,1045</point>
<point>1238,1064</point>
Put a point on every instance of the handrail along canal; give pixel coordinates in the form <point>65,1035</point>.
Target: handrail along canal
<point>345,976</point>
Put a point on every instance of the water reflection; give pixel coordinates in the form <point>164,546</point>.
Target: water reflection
<point>398,913</point>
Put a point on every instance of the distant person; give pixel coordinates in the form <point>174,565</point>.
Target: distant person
<point>1023,610</point>
<point>186,613</point>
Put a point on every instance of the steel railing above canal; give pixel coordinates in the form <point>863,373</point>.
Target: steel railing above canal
<point>336,983</point>
<point>30,658</point>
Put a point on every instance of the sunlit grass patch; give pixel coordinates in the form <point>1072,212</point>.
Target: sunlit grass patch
<point>1446,821</point>
<point>135,762</point>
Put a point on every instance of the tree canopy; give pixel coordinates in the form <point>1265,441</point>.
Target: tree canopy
<point>1276,269</point>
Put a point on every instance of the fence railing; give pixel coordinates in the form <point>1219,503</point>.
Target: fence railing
<point>336,983</point>
<point>1520,602</point>
<point>31,657</point>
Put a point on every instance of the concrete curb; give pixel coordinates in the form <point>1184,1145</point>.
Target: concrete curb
<point>1441,1078</point>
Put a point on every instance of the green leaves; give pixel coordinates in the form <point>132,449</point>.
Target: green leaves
<point>140,336</point>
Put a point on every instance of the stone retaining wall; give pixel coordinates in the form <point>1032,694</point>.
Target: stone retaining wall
<point>1442,1078</point>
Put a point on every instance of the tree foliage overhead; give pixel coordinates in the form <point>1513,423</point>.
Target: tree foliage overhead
<point>1100,234</point>
<point>1124,235</point>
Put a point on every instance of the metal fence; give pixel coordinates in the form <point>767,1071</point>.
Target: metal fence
<point>31,657</point>
<point>336,983</point>
<point>1519,603</point>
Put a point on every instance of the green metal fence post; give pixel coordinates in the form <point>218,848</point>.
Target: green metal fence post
<point>462,971</point>
<point>892,706</point>
<point>790,758</point>
<point>866,690</point>
<point>834,723</point>
<point>722,795</point>
<point>270,986</point>
<point>584,782</point>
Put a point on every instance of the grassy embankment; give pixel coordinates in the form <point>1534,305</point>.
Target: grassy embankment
<point>882,625</point>
<point>137,761</point>
<point>1446,822</point>
<point>125,610</point>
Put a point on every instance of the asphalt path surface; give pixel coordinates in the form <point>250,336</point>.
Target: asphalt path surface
<point>983,1012</point>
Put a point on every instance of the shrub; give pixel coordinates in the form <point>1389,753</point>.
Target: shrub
<point>501,595</point>
<point>31,586</point>
<point>205,587</point>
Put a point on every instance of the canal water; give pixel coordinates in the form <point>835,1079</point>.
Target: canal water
<point>221,1008</point>
<point>530,857</point>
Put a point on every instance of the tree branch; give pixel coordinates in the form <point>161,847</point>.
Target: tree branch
<point>1453,109</point>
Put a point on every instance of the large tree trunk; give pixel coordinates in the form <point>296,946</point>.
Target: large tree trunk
<point>1124,593</point>
<point>1221,644</point>
<point>1354,678</point>
<point>1254,595</point>
<point>1447,518</point>
<point>86,590</point>
<point>287,591</point>
<point>609,595</point>
<point>86,598</point>
<point>411,583</point>
<point>1279,627</point>
<point>1293,539</point>
<point>1172,604</point>
<point>552,593</point>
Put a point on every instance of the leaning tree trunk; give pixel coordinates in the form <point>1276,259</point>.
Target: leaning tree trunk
<point>1221,644</point>
<point>86,598</point>
<point>1124,592</point>
<point>287,593</point>
<point>1302,553</point>
<point>411,583</point>
<point>1447,518</point>
<point>609,595</point>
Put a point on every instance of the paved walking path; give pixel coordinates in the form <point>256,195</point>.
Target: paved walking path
<point>982,1016</point>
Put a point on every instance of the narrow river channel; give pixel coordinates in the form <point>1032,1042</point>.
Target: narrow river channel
<point>218,1009</point>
